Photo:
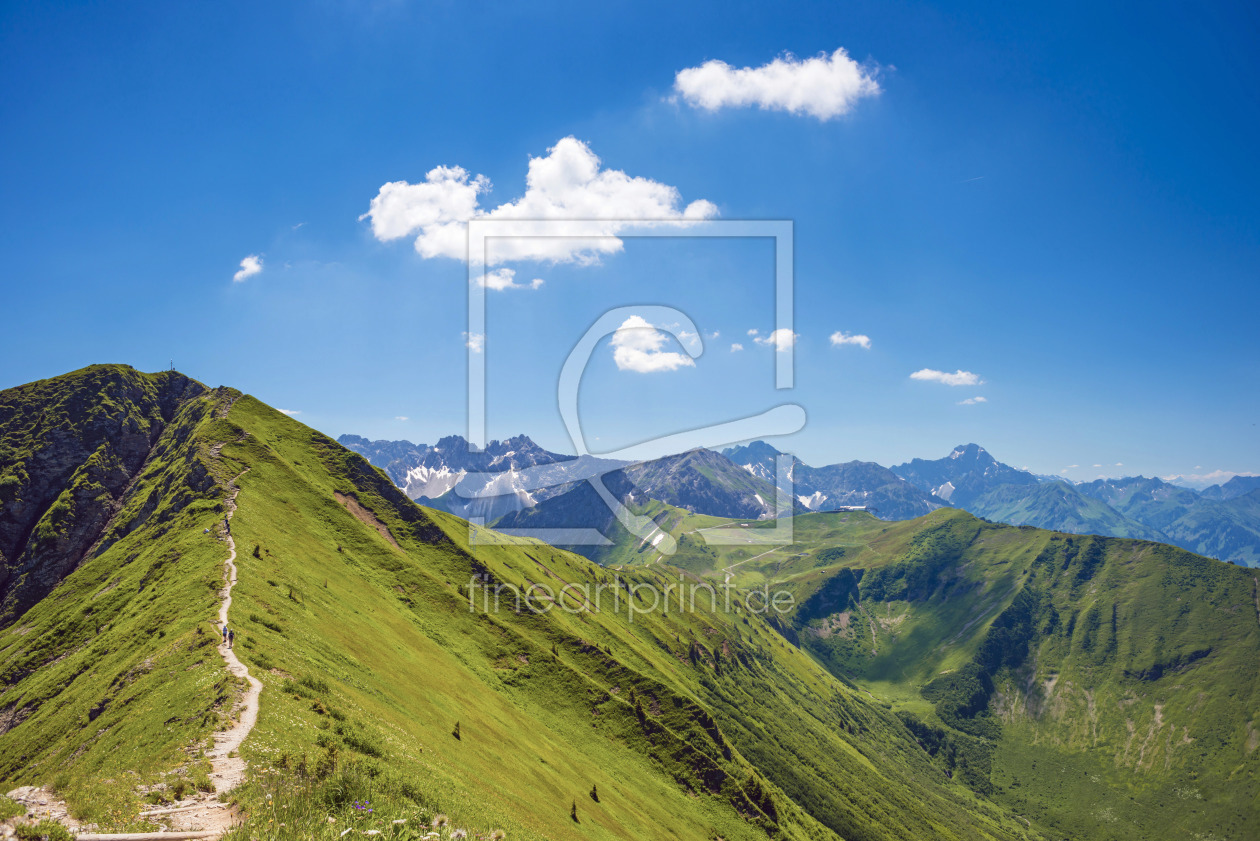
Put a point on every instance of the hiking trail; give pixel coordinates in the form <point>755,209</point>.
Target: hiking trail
<point>200,814</point>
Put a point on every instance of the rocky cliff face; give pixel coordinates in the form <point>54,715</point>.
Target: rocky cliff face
<point>70,449</point>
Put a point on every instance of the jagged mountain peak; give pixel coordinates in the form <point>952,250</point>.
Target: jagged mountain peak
<point>971,451</point>
<point>748,453</point>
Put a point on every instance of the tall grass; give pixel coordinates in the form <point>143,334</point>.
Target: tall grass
<point>327,801</point>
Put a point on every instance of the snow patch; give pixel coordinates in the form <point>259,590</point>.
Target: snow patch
<point>813,501</point>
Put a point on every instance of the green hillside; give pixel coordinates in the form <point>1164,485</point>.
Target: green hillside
<point>1104,688</point>
<point>1057,506</point>
<point>381,681</point>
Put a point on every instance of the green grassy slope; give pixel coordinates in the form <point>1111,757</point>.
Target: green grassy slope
<point>538,728</point>
<point>113,678</point>
<point>1059,507</point>
<point>1104,688</point>
<point>354,612</point>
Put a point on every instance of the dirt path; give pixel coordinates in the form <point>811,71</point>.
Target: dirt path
<point>229,771</point>
<point>203,816</point>
<point>728,570</point>
<point>199,815</point>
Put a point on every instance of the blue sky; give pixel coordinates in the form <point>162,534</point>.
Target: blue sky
<point>1063,202</point>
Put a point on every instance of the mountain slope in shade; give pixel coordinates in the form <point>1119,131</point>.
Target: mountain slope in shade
<point>580,507</point>
<point>70,455</point>
<point>852,484</point>
<point>705,482</point>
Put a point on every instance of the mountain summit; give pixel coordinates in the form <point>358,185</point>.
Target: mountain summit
<point>853,484</point>
<point>961,476</point>
<point>506,476</point>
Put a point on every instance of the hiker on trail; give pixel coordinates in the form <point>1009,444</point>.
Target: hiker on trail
<point>225,632</point>
<point>231,639</point>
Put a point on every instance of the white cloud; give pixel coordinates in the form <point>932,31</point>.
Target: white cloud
<point>500,279</point>
<point>959,377</point>
<point>713,335</point>
<point>823,86</point>
<point>1203,480</point>
<point>840,338</point>
<point>1119,464</point>
<point>401,417</point>
<point>567,184</point>
<point>637,347</point>
<point>736,346</point>
<point>250,266</point>
<point>780,339</point>
<point>290,412</point>
<point>476,342</point>
<point>1097,465</point>
<point>753,332</point>
<point>971,401</point>
<point>690,339</point>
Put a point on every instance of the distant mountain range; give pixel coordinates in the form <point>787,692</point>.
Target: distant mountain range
<point>517,484</point>
<point>854,484</point>
<point>506,476</point>
<point>1221,525</point>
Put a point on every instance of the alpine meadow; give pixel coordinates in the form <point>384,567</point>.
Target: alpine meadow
<point>806,421</point>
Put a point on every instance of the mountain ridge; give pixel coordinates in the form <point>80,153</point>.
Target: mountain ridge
<point>351,608</point>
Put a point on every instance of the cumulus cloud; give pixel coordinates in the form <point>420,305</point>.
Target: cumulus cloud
<point>713,335</point>
<point>637,347</point>
<point>567,184</point>
<point>1203,480</point>
<point>736,346</point>
<point>250,266</point>
<point>500,279</point>
<point>290,412</point>
<point>780,339</point>
<point>476,342</point>
<point>959,377</point>
<point>401,417</point>
<point>753,332</point>
<point>841,338</point>
<point>971,401</point>
<point>824,86</point>
<point>688,338</point>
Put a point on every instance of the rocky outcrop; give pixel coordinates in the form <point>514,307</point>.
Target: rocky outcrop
<point>71,451</point>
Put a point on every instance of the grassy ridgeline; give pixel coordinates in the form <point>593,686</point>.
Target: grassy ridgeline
<point>352,608</point>
<point>696,723</point>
